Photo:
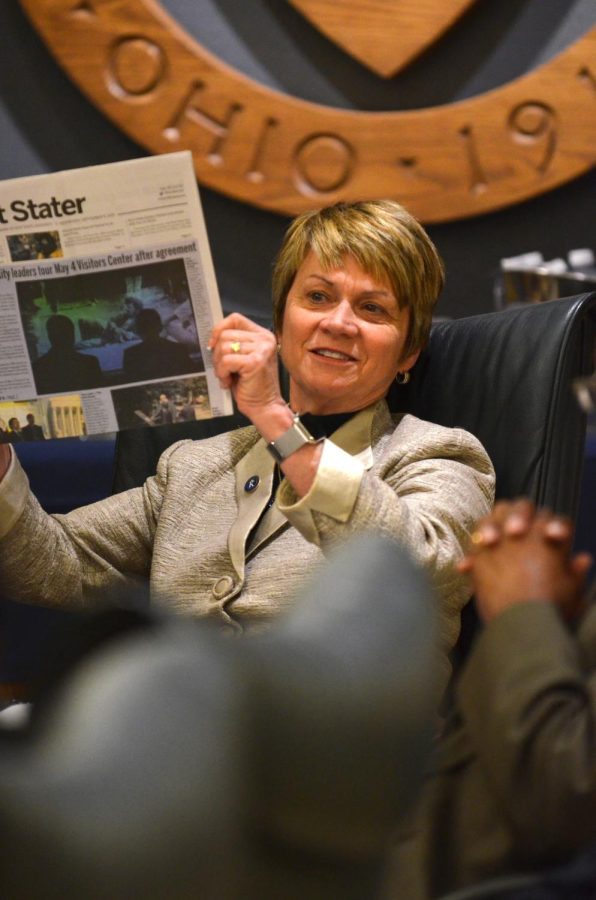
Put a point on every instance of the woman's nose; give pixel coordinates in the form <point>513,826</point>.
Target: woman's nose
<point>340,319</point>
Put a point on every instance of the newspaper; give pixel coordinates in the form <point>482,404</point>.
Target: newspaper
<point>107,300</point>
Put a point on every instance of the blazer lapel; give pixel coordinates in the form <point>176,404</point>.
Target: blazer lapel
<point>272,522</point>
<point>254,483</point>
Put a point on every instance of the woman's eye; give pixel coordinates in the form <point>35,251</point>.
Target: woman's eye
<point>373,308</point>
<point>317,296</point>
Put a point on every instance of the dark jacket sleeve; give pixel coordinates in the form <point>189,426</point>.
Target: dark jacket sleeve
<point>528,697</point>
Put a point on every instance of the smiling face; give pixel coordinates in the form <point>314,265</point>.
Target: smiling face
<point>342,339</point>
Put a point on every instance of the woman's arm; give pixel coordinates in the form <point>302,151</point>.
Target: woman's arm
<point>73,559</point>
<point>425,491</point>
<point>427,488</point>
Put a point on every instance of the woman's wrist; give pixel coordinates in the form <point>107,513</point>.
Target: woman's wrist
<point>273,420</point>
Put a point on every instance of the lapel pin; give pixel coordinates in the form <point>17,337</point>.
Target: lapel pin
<point>252,484</point>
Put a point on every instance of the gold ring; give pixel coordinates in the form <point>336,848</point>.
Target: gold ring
<point>235,346</point>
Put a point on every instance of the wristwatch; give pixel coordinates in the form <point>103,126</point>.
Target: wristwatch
<point>291,440</point>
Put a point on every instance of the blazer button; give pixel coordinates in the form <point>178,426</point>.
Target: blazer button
<point>222,586</point>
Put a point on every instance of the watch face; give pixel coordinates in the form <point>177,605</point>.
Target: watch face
<point>169,92</point>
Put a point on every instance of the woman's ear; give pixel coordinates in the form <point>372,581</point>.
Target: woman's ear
<point>407,363</point>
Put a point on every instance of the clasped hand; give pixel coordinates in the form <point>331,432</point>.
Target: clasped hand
<point>519,554</point>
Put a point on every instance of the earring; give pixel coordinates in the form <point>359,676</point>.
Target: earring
<point>279,347</point>
<point>402,377</point>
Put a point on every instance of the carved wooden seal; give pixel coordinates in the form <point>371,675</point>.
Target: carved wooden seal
<point>168,93</point>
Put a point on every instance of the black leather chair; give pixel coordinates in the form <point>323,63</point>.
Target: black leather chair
<point>507,377</point>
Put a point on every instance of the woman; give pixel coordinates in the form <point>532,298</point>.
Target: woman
<point>230,526</point>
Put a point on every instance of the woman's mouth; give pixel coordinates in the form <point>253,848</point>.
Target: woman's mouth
<point>333,354</point>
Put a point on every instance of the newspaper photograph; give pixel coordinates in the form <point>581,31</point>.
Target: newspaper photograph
<point>107,300</point>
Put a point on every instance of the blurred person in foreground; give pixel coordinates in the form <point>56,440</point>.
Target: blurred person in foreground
<point>513,788</point>
<point>229,527</point>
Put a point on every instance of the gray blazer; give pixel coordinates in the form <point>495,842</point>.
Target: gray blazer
<point>186,529</point>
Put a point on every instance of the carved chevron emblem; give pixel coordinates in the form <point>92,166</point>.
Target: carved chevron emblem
<point>384,35</point>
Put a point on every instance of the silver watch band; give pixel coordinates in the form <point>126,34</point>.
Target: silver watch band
<point>291,440</point>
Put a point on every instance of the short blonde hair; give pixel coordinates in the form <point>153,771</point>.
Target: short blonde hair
<point>387,242</point>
